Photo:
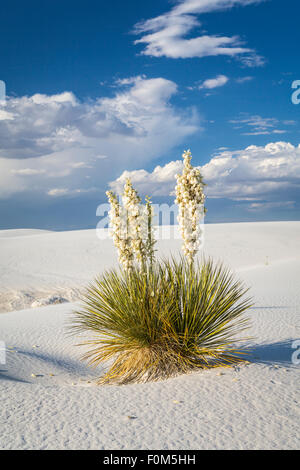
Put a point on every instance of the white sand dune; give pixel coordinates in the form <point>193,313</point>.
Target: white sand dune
<point>40,267</point>
<point>23,232</point>
<point>254,406</point>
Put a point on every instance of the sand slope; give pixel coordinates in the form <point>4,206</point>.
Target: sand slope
<point>255,406</point>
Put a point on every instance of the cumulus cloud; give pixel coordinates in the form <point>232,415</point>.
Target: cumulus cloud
<point>47,139</point>
<point>66,97</point>
<point>159,182</point>
<point>165,35</point>
<point>5,115</point>
<point>255,173</point>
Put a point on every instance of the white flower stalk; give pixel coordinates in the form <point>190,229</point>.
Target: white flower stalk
<point>190,199</point>
<point>119,234</point>
<point>132,230</point>
<point>150,240</point>
<point>136,223</point>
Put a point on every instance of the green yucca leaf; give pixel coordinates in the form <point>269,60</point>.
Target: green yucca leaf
<point>169,318</point>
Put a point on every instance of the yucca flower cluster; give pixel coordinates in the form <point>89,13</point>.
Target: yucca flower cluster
<point>190,199</point>
<point>150,241</point>
<point>120,236</point>
<point>132,230</point>
<point>135,221</point>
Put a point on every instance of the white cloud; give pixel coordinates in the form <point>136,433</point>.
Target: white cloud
<point>72,144</point>
<point>211,83</point>
<point>257,125</point>
<point>207,6</point>
<point>58,192</point>
<point>252,60</point>
<point>66,97</point>
<point>265,206</point>
<point>253,173</point>
<point>160,182</point>
<point>28,172</point>
<point>244,79</point>
<point>164,35</point>
<point>81,165</point>
<point>6,116</point>
<point>128,80</point>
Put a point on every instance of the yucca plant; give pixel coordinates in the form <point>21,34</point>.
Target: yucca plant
<point>170,318</point>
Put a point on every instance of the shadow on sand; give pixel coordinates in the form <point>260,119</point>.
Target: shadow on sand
<point>66,364</point>
<point>5,376</point>
<point>279,353</point>
<point>270,308</point>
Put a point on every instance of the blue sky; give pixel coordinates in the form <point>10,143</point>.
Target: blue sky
<point>98,88</point>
